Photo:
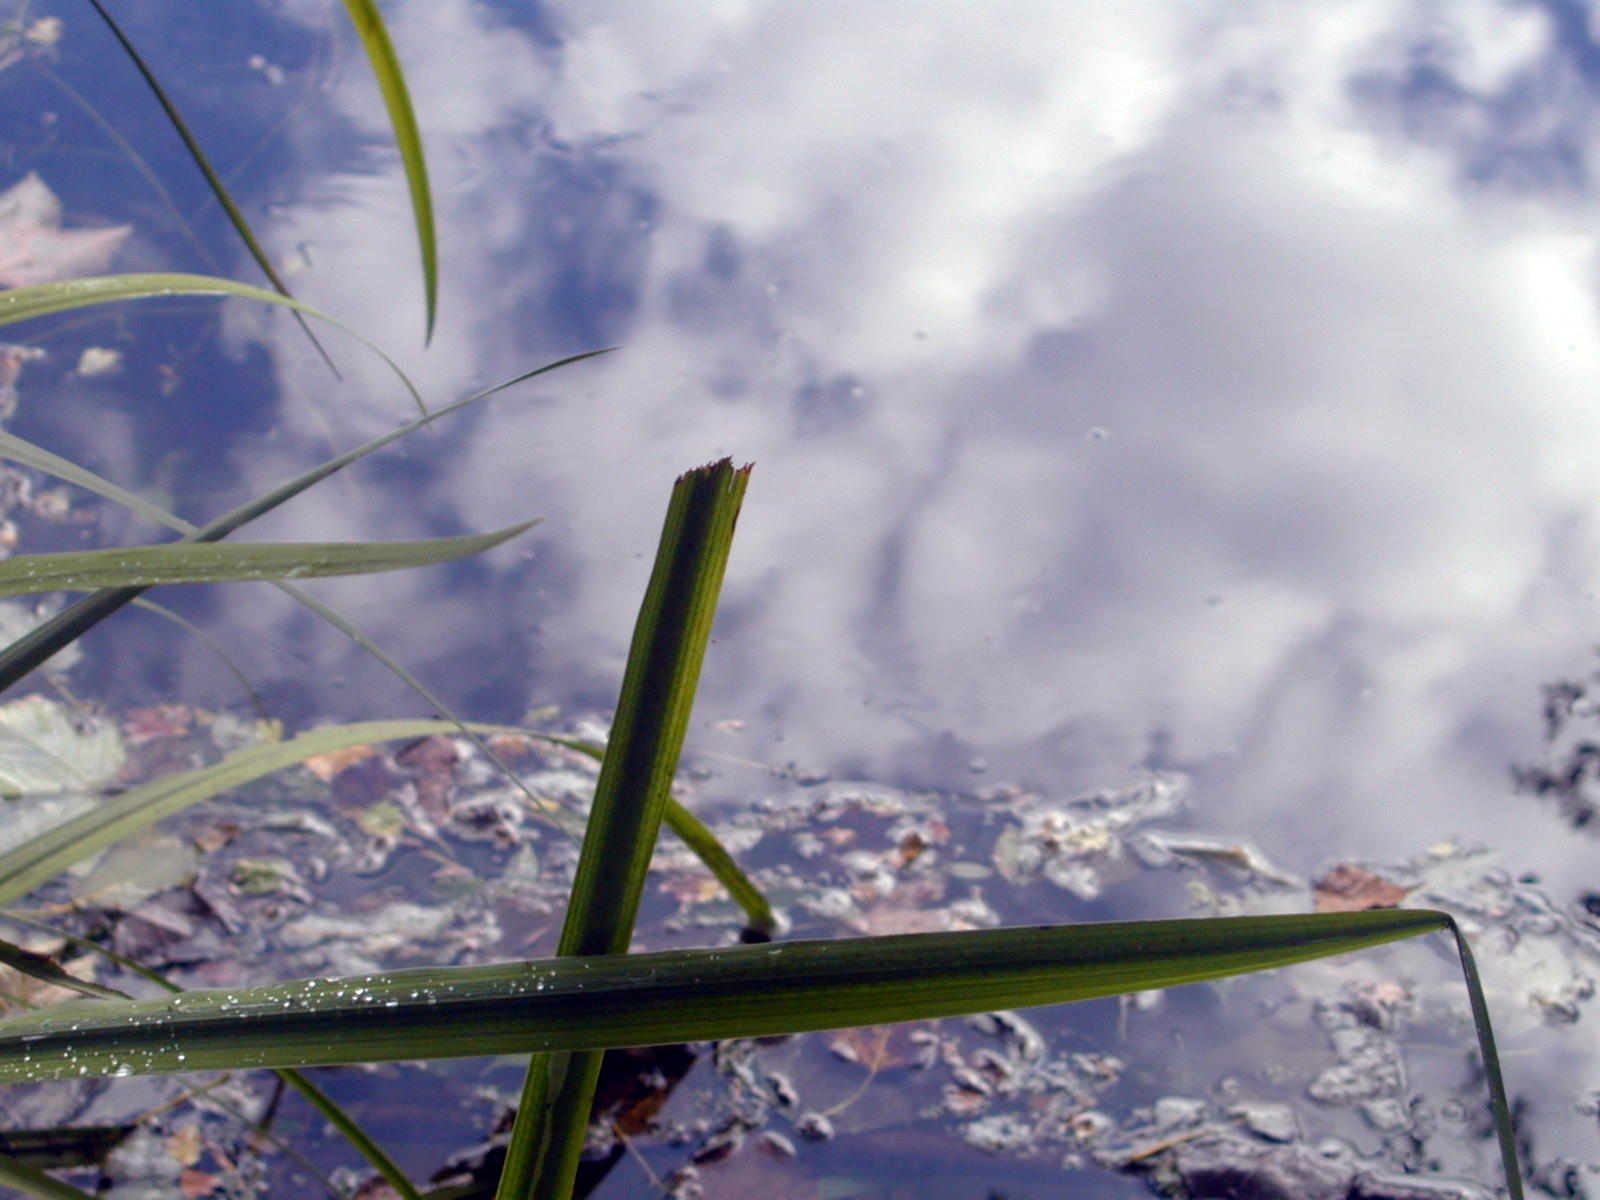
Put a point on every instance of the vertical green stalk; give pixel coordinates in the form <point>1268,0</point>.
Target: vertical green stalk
<point>669,642</point>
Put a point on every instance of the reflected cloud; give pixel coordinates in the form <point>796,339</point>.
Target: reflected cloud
<point>1202,383</point>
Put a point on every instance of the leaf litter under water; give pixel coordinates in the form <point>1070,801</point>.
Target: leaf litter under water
<point>1024,1088</point>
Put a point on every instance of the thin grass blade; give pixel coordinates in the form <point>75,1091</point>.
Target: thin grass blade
<point>43,299</point>
<point>197,562</point>
<point>392,82</point>
<point>636,773</point>
<point>213,180</point>
<point>211,644</point>
<point>1499,1105</point>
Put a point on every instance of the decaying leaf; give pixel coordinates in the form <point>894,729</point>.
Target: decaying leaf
<point>326,766</point>
<point>1349,888</point>
<point>35,249</point>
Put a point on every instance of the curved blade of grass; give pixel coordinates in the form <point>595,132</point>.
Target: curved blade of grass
<point>636,773</point>
<point>391,81</point>
<point>692,995</point>
<point>29,652</point>
<point>1499,1105</point>
<point>211,562</point>
<point>669,996</point>
<point>27,866</point>
<point>213,180</point>
<point>25,452</point>
<point>315,1096</point>
<point>43,299</point>
<point>36,1183</point>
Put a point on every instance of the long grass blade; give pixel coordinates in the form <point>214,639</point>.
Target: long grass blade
<point>213,562</point>
<point>213,180</point>
<point>1499,1105</point>
<point>671,996</point>
<point>641,758</point>
<point>27,866</point>
<point>43,299</point>
<point>565,1004</point>
<point>391,81</point>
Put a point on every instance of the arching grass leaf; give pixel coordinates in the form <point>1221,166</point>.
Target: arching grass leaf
<point>210,562</point>
<point>25,303</point>
<point>392,82</point>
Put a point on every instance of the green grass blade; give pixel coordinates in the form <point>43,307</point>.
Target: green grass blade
<point>758,913</point>
<point>566,1004</point>
<point>671,996</point>
<point>213,180</point>
<point>29,652</point>
<point>35,1182</point>
<point>25,452</point>
<point>44,299</point>
<point>636,773</point>
<point>353,1133</point>
<point>391,81</point>
<point>211,562</point>
<point>1499,1105</point>
<point>27,866</point>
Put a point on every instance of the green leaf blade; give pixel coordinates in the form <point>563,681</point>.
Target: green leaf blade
<point>46,299</point>
<point>216,562</point>
<point>567,1004</point>
<point>408,138</point>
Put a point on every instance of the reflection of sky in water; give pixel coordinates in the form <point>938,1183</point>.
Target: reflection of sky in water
<point>1202,385</point>
<point>1135,382</point>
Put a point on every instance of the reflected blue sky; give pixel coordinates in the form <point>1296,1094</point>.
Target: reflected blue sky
<point>1203,385</point>
<point>1209,385</point>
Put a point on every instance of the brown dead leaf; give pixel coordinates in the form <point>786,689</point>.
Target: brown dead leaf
<point>1349,888</point>
<point>195,1184</point>
<point>326,766</point>
<point>185,1146</point>
<point>158,721</point>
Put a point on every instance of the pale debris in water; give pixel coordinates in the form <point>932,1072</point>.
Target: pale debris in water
<point>35,249</point>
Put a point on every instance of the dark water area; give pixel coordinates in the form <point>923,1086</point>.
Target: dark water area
<point>1136,393</point>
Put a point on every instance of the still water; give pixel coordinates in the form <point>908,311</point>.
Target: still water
<point>1132,387</point>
